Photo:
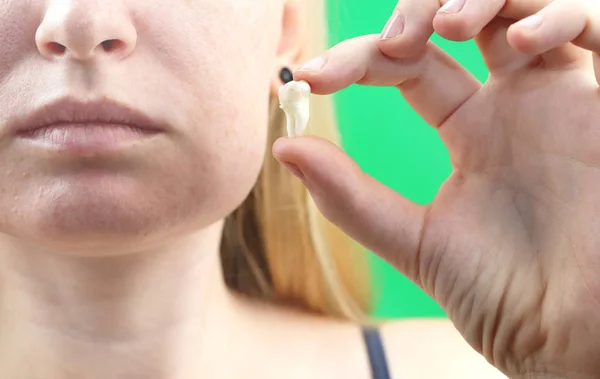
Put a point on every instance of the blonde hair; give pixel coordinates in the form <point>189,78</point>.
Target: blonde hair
<point>277,246</point>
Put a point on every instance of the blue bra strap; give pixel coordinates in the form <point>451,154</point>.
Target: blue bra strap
<point>377,358</point>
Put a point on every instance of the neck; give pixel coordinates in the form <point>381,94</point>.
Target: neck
<point>137,315</point>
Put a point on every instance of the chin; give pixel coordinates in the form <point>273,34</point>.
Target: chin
<point>129,204</point>
<point>111,217</point>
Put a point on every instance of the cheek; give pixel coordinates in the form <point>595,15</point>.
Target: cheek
<point>230,150</point>
<point>225,114</point>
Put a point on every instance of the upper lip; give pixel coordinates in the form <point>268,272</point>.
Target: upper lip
<point>73,111</point>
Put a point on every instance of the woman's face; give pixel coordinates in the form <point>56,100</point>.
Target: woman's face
<point>199,69</point>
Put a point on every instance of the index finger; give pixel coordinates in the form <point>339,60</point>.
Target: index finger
<point>433,83</point>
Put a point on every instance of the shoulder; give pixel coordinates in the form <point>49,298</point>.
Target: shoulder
<point>301,345</point>
<point>432,348</point>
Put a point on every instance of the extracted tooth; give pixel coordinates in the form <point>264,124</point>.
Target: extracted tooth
<point>294,99</point>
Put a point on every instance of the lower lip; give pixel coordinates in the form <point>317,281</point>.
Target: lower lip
<point>87,138</point>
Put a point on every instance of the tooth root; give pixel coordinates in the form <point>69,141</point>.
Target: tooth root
<point>291,124</point>
<point>300,122</point>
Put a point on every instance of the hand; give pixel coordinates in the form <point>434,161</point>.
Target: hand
<point>510,247</point>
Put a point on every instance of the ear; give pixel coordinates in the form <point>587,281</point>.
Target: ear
<point>292,43</point>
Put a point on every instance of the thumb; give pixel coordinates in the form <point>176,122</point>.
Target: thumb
<point>372,214</point>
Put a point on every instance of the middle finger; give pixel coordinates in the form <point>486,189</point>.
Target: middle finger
<point>461,20</point>
<point>413,21</point>
<point>409,28</point>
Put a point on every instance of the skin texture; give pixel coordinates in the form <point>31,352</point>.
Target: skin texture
<point>509,246</point>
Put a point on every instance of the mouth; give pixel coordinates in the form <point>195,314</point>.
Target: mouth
<point>92,127</point>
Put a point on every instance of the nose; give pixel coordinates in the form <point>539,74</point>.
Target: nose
<point>85,29</point>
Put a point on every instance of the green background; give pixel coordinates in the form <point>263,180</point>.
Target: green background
<point>392,143</point>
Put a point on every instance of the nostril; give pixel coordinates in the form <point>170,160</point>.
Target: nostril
<point>56,48</point>
<point>112,45</point>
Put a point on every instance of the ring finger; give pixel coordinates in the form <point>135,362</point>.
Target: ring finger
<point>460,20</point>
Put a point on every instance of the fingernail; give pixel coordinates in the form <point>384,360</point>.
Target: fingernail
<point>531,22</point>
<point>293,169</point>
<point>314,64</point>
<point>394,27</point>
<point>453,6</point>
